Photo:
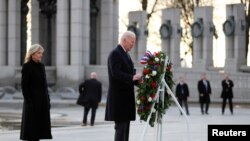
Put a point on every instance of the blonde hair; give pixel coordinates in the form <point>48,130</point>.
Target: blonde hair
<point>34,48</point>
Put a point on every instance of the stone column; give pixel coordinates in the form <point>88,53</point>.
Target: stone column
<point>115,22</point>
<point>138,20</point>
<point>79,32</point>
<point>171,43</point>
<point>35,21</point>
<point>62,34</point>
<point>63,42</point>
<point>203,44</point>
<point>3,32</point>
<point>108,22</point>
<point>10,39</point>
<point>235,30</point>
<point>14,10</point>
<point>75,27</point>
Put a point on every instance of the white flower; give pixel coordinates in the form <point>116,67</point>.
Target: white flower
<point>147,77</point>
<point>149,99</point>
<point>138,102</point>
<point>154,73</point>
<point>157,59</point>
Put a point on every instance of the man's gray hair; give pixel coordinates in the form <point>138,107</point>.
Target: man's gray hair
<point>127,34</point>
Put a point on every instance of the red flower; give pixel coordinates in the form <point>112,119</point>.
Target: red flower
<point>146,71</point>
<point>153,95</point>
<point>153,84</point>
<point>148,107</point>
<point>150,62</point>
<point>143,98</point>
<point>168,68</point>
<point>156,53</point>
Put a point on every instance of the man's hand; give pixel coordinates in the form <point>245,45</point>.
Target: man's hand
<point>137,77</point>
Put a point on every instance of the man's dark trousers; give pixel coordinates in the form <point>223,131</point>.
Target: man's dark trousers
<point>122,131</point>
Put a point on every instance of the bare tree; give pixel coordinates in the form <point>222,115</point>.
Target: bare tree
<point>247,11</point>
<point>151,11</point>
<point>187,10</point>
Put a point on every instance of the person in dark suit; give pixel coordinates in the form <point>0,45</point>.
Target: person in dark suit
<point>204,90</point>
<point>35,122</point>
<point>120,105</point>
<point>182,93</point>
<point>227,93</point>
<point>90,96</point>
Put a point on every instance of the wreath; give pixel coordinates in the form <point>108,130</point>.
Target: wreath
<point>197,29</point>
<point>229,27</point>
<point>148,101</point>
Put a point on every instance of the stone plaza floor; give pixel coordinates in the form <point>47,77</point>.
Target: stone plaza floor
<point>66,119</point>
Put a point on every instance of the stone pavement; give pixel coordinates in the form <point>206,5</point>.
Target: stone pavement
<point>66,119</point>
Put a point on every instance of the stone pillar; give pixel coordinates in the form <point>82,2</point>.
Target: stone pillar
<point>108,21</point>
<point>79,32</point>
<point>14,10</point>
<point>75,37</point>
<point>115,22</point>
<point>3,33</point>
<point>170,31</point>
<point>35,21</point>
<point>202,32</point>
<point>235,30</point>
<point>10,40</point>
<point>62,34</point>
<point>63,42</point>
<point>138,19</point>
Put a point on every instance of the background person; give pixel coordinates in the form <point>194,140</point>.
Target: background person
<point>204,90</point>
<point>35,122</point>
<point>227,93</point>
<point>182,93</point>
<point>90,96</point>
<point>120,106</point>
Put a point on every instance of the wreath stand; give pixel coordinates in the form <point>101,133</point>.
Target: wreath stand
<point>160,93</point>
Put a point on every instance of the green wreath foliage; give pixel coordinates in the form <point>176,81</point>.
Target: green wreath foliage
<point>146,98</point>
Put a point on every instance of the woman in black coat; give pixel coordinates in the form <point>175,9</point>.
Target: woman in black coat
<point>35,123</point>
<point>227,93</point>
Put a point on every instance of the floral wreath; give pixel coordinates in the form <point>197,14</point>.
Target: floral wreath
<point>147,89</point>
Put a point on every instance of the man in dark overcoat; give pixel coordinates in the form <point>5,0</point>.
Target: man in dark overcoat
<point>182,93</point>
<point>204,90</point>
<point>227,93</point>
<point>120,105</point>
<point>90,96</point>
